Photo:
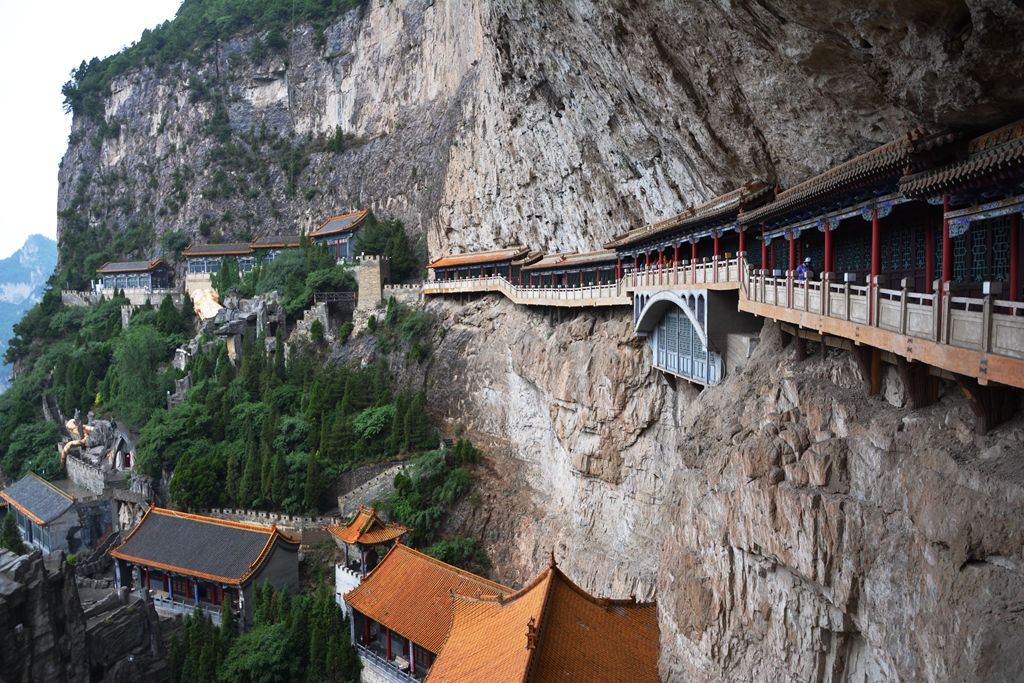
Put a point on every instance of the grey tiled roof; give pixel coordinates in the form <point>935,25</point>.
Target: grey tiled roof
<point>196,545</point>
<point>129,266</point>
<point>271,241</point>
<point>38,499</point>
<point>338,224</point>
<point>229,249</point>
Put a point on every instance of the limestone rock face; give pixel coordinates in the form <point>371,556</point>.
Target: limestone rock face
<point>790,528</point>
<point>41,619</point>
<point>502,122</point>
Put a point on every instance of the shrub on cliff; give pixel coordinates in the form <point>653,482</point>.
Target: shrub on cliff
<point>10,537</point>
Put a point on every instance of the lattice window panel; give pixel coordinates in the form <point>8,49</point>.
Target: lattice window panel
<point>885,254</point>
<point>858,253</point>
<point>920,235</point>
<point>979,250</point>
<point>1001,248</point>
<point>960,258</point>
<point>672,332</point>
<point>906,234</point>
<point>781,253</point>
<point>937,238</point>
<point>817,254</point>
<point>754,255</point>
<point>685,336</point>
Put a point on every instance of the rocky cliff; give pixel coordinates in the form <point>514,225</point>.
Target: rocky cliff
<point>487,124</point>
<point>790,528</point>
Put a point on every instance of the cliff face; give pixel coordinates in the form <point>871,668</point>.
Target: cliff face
<point>486,124</point>
<point>790,528</point>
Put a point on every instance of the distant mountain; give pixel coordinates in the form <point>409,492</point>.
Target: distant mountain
<point>23,277</point>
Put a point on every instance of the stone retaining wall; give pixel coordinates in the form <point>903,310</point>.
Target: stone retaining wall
<point>86,475</point>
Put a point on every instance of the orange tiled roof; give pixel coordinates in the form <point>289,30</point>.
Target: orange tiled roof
<point>367,529</point>
<point>475,257</point>
<point>999,153</point>
<point>718,210</point>
<point>576,637</point>
<point>411,594</point>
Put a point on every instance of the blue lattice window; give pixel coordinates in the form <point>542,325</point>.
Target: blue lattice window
<point>905,235</point>
<point>979,250</point>
<point>885,253</point>
<point>858,253</point>
<point>960,258</point>
<point>937,237</point>
<point>1001,248</point>
<point>920,234</point>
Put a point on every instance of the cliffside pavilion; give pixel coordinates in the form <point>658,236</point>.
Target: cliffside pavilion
<point>147,275</point>
<point>417,618</point>
<point>928,280</point>
<point>188,561</point>
<point>365,532</point>
<point>339,233</point>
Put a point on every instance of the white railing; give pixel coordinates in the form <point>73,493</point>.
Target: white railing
<point>186,607</point>
<point>388,669</point>
<point>986,324</point>
<point>609,294</point>
<point>685,273</point>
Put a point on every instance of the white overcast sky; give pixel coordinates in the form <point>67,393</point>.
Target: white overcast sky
<point>39,45</point>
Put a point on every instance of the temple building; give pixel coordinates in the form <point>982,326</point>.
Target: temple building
<point>146,275</point>
<point>359,537</point>
<point>208,258</point>
<point>495,263</point>
<point>187,561</point>
<point>418,616</point>
<point>267,248</point>
<point>339,233</point>
<point>52,520</point>
<point>571,270</point>
<point>551,630</point>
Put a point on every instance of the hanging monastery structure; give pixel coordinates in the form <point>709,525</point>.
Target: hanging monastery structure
<point>915,257</point>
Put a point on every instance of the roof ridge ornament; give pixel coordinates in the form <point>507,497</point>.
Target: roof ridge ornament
<point>552,564</point>
<point>531,634</point>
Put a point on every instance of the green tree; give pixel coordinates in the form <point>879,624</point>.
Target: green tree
<point>249,489</point>
<point>134,383</point>
<point>464,552</point>
<point>420,434</point>
<point>33,447</point>
<point>168,319</point>
<point>10,537</point>
<point>315,488</point>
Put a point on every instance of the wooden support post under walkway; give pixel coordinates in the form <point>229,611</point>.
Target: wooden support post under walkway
<point>801,348</point>
<point>992,404</point>
<point>919,383</point>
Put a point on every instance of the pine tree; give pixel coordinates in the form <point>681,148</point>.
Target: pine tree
<point>266,474</point>
<point>232,481</point>
<point>279,366</point>
<point>314,491</point>
<point>279,489</point>
<point>168,320</point>
<point>419,432</point>
<point>10,537</point>
<point>249,489</point>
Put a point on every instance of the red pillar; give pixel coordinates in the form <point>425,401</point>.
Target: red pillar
<point>581,277</point>
<point>743,242</point>
<point>693,259</point>
<point>876,259</point>
<point>792,252</point>
<point>661,264</point>
<point>764,249</point>
<point>829,261</point>
<point>187,582</point>
<point>387,635</point>
<point>929,250</point>
<point>1014,257</point>
<point>618,269</point>
<point>718,251</point>
<point>412,658</point>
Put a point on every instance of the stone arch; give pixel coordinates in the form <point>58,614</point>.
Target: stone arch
<point>655,307</point>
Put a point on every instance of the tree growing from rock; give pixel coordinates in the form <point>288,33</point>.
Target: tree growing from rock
<point>10,538</point>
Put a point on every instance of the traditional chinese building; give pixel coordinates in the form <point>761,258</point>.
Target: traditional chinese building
<point>402,611</point>
<point>339,233</point>
<point>147,275</point>
<point>189,561</point>
<point>268,247</point>
<point>51,520</point>
<point>551,630</point>
<point>571,270</point>
<point>362,535</point>
<point>420,616</point>
<point>495,263</point>
<point>206,259</point>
